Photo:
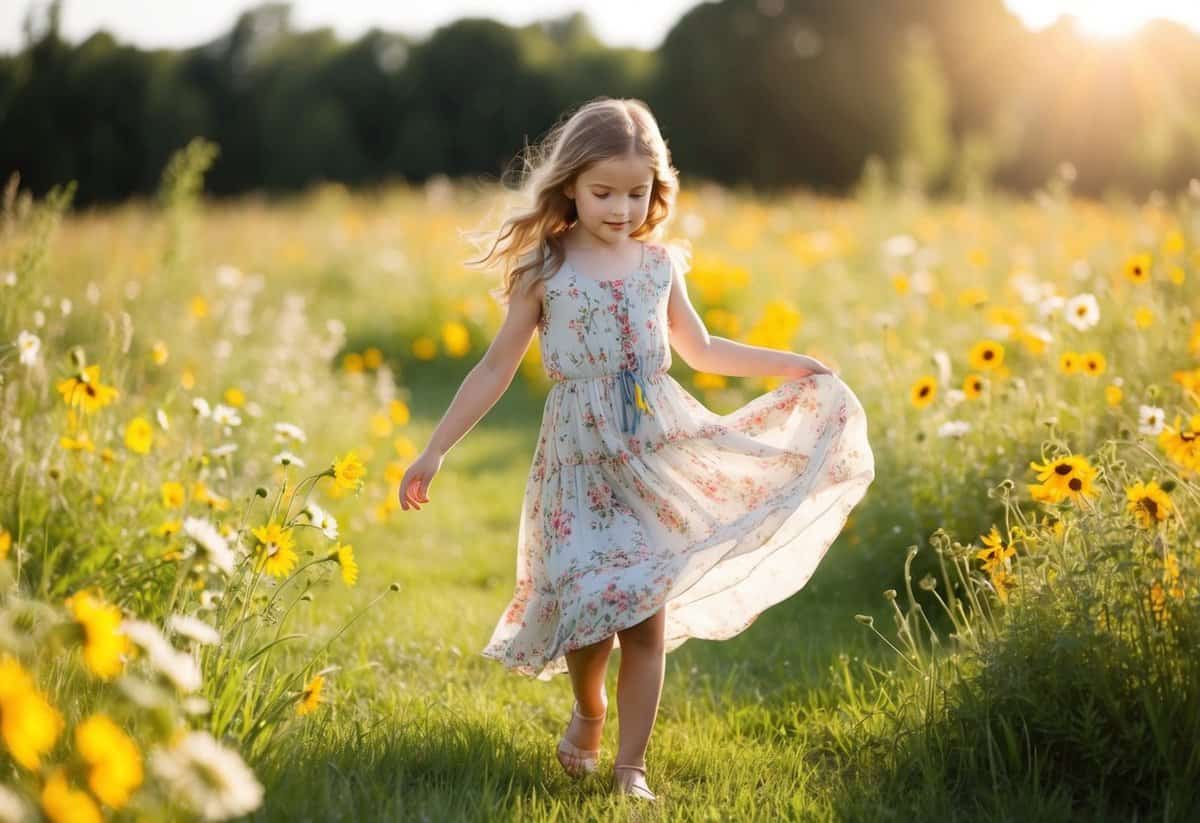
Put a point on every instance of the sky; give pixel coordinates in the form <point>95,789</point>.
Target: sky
<point>179,23</point>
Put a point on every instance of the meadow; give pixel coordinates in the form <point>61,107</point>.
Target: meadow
<point>212,605</point>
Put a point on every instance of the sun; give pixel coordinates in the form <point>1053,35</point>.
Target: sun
<point>1105,19</point>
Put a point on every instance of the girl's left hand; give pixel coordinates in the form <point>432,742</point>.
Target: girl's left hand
<point>804,365</point>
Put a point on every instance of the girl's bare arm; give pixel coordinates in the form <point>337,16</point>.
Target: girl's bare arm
<point>493,374</point>
<point>719,355</point>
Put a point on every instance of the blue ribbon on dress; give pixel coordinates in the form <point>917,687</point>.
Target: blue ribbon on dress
<point>633,398</point>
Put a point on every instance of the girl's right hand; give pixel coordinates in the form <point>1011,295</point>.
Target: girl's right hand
<point>414,486</point>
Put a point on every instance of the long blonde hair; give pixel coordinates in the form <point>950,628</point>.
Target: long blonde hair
<point>528,243</point>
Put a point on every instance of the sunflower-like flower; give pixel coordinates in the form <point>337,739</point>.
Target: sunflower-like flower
<point>995,554</point>
<point>86,392</point>
<point>348,472</point>
<point>1069,477</point>
<point>1182,443</point>
<point>1094,363</point>
<point>1148,503</point>
<point>104,646</point>
<point>972,386</point>
<point>114,761</point>
<point>344,555</point>
<point>310,698</point>
<point>276,552</point>
<point>1137,268</point>
<point>986,355</point>
<point>923,391</point>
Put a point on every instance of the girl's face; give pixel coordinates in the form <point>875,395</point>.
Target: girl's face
<point>612,196</point>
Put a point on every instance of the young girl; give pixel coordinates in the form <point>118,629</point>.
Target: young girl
<point>647,518</point>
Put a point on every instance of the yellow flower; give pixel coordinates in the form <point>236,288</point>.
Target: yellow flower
<point>1113,394</point>
<point>114,761</point>
<point>139,435</point>
<point>972,386</point>
<point>424,348</point>
<point>168,528</point>
<point>1094,363</point>
<point>373,358</point>
<point>344,555</point>
<point>276,553</point>
<point>198,306</point>
<point>972,298</point>
<point>456,338</point>
<point>1143,317</point>
<point>1002,581</point>
<point>1062,478</point>
<point>923,391</point>
<point>1069,362</point>
<point>1194,340</point>
<point>104,647</point>
<point>706,380</point>
<point>1174,242</point>
<point>187,379</point>
<point>1176,274</point>
<point>234,396</point>
<point>986,354</point>
<point>1158,602</point>
<point>173,494</point>
<point>900,283</point>
<point>348,472</point>
<point>995,554</point>
<point>28,723</point>
<point>1137,268</point>
<point>86,392</point>
<point>1182,443</point>
<point>399,412</point>
<point>5,543</point>
<point>311,696</point>
<point>80,442</point>
<point>159,353</point>
<point>1148,503</point>
<point>381,425</point>
<point>352,363</point>
<point>63,804</point>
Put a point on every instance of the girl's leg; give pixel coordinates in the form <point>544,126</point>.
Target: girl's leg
<point>639,686</point>
<point>587,667</point>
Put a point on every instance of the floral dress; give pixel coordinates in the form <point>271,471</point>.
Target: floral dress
<point>640,498</point>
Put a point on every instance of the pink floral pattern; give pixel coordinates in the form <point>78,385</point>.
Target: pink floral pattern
<point>712,517</point>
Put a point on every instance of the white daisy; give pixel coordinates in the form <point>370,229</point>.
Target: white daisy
<point>285,458</point>
<point>322,519</point>
<point>10,278</point>
<point>201,407</point>
<point>210,540</point>
<point>210,778</point>
<point>30,345</point>
<point>193,628</point>
<point>954,428</point>
<point>289,431</point>
<point>1151,419</point>
<point>1082,311</point>
<point>1050,305</point>
<point>65,306</point>
<point>178,667</point>
<point>953,397</point>
<point>900,245</point>
<point>228,276</point>
<point>943,364</point>
<point>226,415</point>
<point>39,318</point>
<point>161,417</point>
<point>223,449</point>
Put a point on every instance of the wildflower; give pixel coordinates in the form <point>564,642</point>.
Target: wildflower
<point>1082,311</point>
<point>1113,394</point>
<point>348,472</point>
<point>163,422</point>
<point>1143,317</point>
<point>1158,602</point>
<point>5,543</point>
<point>198,306</point>
<point>954,428</point>
<point>104,647</point>
<point>344,555</point>
<point>399,412</point>
<point>210,541</point>
<point>168,528</point>
<point>1190,380</point>
<point>180,668</point>
<point>63,804</point>
<point>994,554</point>
<point>1064,477</point>
<point>1001,581</point>
<point>234,397</point>
<point>159,353</point>
<point>29,344</point>
<point>289,431</point>
<point>1150,419</point>
<point>86,392</point>
<point>322,519</point>
<point>1182,443</point>
<point>1094,363</point>
<point>287,458</point>
<point>226,415</point>
<point>139,435</point>
<point>1148,503</point>
<point>193,628</point>
<point>923,391</point>
<point>456,338</point>
<point>213,780</point>
<point>373,358</point>
<point>223,450</point>
<point>1137,268</point>
<point>28,723</point>
<point>276,554</point>
<point>114,762</point>
<point>173,494</point>
<point>201,408</point>
<point>986,354</point>
<point>1069,363</point>
<point>311,696</point>
<point>972,386</point>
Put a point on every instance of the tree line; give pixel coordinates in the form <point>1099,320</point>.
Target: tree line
<point>767,93</point>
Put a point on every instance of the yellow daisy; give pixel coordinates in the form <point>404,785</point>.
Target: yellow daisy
<point>1137,268</point>
<point>923,392</point>
<point>276,554</point>
<point>114,762</point>
<point>86,392</point>
<point>348,472</point>
<point>344,555</point>
<point>310,698</point>
<point>986,355</point>
<point>1148,503</point>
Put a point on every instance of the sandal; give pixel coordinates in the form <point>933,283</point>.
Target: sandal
<point>634,786</point>
<point>575,761</point>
